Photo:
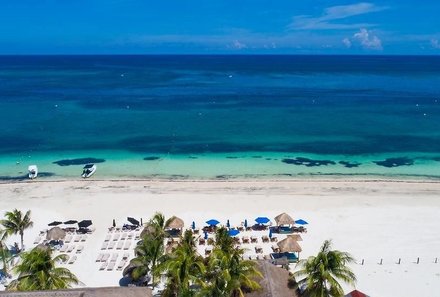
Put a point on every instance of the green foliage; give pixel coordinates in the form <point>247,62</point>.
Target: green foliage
<point>38,271</point>
<point>16,223</point>
<point>322,272</point>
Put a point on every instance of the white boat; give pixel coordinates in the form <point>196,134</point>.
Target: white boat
<point>88,170</point>
<point>33,171</point>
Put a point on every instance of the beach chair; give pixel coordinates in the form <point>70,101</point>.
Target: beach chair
<point>77,238</point>
<point>83,238</point>
<point>70,248</point>
<point>104,245</point>
<point>80,249</point>
<point>68,239</point>
<point>37,240</point>
<point>130,235</point>
<point>201,241</point>
<point>137,235</point>
<point>274,239</point>
<point>116,237</point>
<point>105,257</point>
<point>111,245</point>
<point>125,256</point>
<point>127,245</point>
<point>110,266</point>
<point>72,260</point>
<point>99,258</point>
<point>120,245</point>
<point>63,249</point>
<point>254,239</point>
<point>103,266</point>
<point>121,264</point>
<point>114,257</point>
<point>108,237</point>
<point>124,236</point>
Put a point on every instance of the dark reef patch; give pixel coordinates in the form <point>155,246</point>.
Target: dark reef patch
<point>308,162</point>
<point>192,157</point>
<point>349,164</point>
<point>395,162</point>
<point>79,161</point>
<point>257,157</point>
<point>231,157</point>
<point>152,158</point>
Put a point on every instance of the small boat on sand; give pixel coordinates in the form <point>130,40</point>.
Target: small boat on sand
<point>88,170</point>
<point>33,171</point>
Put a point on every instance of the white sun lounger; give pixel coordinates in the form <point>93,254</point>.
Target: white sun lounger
<point>124,236</point>
<point>103,266</point>
<point>130,235</point>
<point>111,245</point>
<point>72,259</point>
<point>70,248</point>
<point>68,239</point>
<point>37,240</point>
<point>127,245</point>
<point>120,245</point>
<point>116,237</point>
<point>105,257</point>
<point>99,258</point>
<point>77,238</point>
<point>110,266</point>
<point>80,249</point>
<point>104,245</point>
<point>121,264</point>
<point>137,235</point>
<point>125,256</point>
<point>63,249</point>
<point>114,257</point>
<point>83,238</point>
<point>108,237</point>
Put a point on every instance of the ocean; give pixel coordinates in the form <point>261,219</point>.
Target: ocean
<point>220,116</point>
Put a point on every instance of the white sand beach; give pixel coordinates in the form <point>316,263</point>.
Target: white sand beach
<point>371,219</point>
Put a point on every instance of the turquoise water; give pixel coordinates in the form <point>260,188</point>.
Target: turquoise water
<point>220,116</point>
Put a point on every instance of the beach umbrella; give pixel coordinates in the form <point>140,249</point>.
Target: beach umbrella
<point>233,232</point>
<point>212,222</point>
<point>114,223</point>
<point>228,225</point>
<point>133,221</point>
<point>193,225</point>
<point>206,235</point>
<point>175,223</point>
<point>284,219</point>
<point>262,220</point>
<point>301,222</point>
<point>55,223</point>
<point>356,293</point>
<point>270,233</point>
<point>85,223</point>
<point>142,223</point>
<point>245,223</point>
<point>56,233</point>
<point>289,245</point>
<point>296,237</point>
<point>70,222</point>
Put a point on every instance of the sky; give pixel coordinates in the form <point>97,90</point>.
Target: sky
<point>219,27</point>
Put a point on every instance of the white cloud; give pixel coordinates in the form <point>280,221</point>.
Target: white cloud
<point>238,45</point>
<point>346,42</point>
<point>324,22</point>
<point>368,40</point>
<point>435,43</point>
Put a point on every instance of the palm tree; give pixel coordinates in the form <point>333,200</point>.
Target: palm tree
<point>5,255</point>
<point>38,271</point>
<point>16,223</point>
<point>223,241</point>
<point>323,271</point>
<point>184,268</point>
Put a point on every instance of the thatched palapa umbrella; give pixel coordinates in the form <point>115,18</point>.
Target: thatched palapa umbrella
<point>56,233</point>
<point>284,219</point>
<point>175,223</point>
<point>296,237</point>
<point>289,245</point>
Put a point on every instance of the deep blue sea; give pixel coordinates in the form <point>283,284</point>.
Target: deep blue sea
<point>220,116</point>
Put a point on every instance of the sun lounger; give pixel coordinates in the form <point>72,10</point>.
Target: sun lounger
<point>68,239</point>
<point>201,241</point>
<point>120,245</point>
<point>254,239</point>
<point>125,256</point>
<point>275,249</point>
<point>127,245</point>
<point>37,240</point>
<point>83,238</point>
<point>104,245</point>
<point>72,260</point>
<point>137,235</point>
<point>70,248</point>
<point>80,249</point>
<point>116,237</point>
<point>99,258</point>
<point>63,249</point>
<point>108,237</point>
<point>105,257</point>
<point>77,238</point>
<point>111,245</point>
<point>114,257</point>
<point>124,236</point>
<point>245,239</point>
<point>122,264</point>
<point>274,239</point>
<point>110,266</point>
<point>130,235</point>
<point>103,266</point>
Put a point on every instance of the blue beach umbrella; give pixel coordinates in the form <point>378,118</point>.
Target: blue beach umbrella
<point>206,235</point>
<point>193,225</point>
<point>233,232</point>
<point>270,233</point>
<point>262,220</point>
<point>212,222</point>
<point>301,222</point>
<point>245,223</point>
<point>227,224</point>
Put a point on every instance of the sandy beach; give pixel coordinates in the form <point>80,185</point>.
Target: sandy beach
<point>372,219</point>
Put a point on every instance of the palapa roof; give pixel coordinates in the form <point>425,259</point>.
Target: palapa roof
<point>56,233</point>
<point>356,293</point>
<point>273,283</point>
<point>289,245</point>
<point>86,292</point>
<point>284,219</point>
<point>175,223</point>
<point>296,237</point>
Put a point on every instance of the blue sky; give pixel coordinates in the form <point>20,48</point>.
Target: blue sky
<point>219,26</point>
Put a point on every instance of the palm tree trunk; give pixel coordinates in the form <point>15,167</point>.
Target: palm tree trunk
<point>22,241</point>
